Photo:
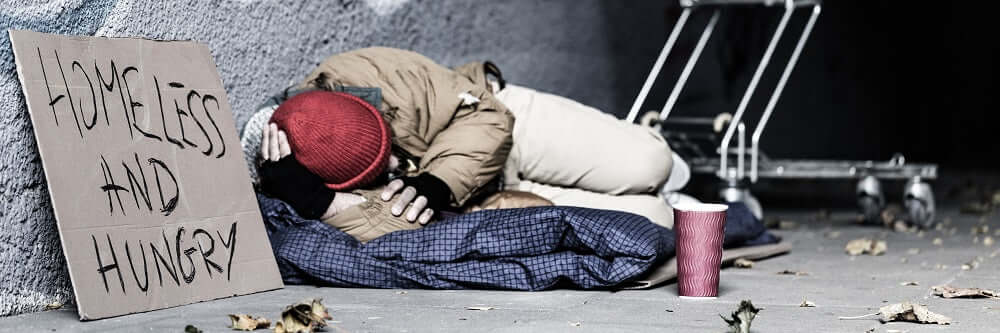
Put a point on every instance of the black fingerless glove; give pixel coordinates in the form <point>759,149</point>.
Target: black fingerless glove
<point>291,182</point>
<point>438,193</point>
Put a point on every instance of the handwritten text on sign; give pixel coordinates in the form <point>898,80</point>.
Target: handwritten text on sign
<point>136,138</point>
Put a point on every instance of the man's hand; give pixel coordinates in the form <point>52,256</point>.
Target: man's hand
<point>418,211</point>
<point>284,178</point>
<point>274,144</point>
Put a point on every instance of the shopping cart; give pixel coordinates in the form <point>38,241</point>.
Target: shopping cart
<point>706,143</point>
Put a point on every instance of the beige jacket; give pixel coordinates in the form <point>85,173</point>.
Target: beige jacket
<point>448,119</point>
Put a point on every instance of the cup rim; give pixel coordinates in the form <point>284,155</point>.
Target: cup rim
<point>701,207</point>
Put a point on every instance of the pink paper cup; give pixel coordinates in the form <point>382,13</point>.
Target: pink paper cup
<point>700,229</point>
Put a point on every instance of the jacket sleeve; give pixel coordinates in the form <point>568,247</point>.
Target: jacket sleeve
<point>473,148</point>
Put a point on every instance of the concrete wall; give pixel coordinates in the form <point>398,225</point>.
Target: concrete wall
<point>261,46</point>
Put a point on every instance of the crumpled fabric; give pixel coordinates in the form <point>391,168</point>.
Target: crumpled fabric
<point>534,248</point>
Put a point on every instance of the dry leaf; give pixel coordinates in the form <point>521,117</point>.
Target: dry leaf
<point>937,241</point>
<point>952,292</point>
<point>244,322</point>
<point>909,283</point>
<point>304,316</point>
<point>743,263</point>
<point>479,308</point>
<point>401,292</point>
<point>784,225</point>
<point>574,323</point>
<point>791,272</point>
<point>319,311</point>
<point>54,305</point>
<point>996,198</point>
<point>191,329</point>
<point>900,226</point>
<point>891,213</point>
<point>913,251</point>
<point>865,245</point>
<point>807,304</point>
<point>988,241</point>
<point>975,207</point>
<point>907,311</point>
<point>740,320</point>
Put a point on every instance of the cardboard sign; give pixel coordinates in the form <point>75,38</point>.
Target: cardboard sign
<point>151,195</point>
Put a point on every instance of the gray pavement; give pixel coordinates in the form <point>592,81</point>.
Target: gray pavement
<point>839,285</point>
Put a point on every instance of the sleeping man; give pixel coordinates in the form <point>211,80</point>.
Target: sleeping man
<point>428,139</point>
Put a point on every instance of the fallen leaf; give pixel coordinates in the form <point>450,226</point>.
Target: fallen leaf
<point>971,264</point>
<point>988,241</point>
<point>891,213</point>
<point>244,322</point>
<point>743,263</point>
<point>304,316</point>
<point>996,198</point>
<point>807,304</point>
<point>952,292</point>
<point>191,329</point>
<point>574,323</point>
<point>910,283</point>
<point>740,320</point>
<point>900,226</point>
<point>479,308</point>
<point>319,311</point>
<point>975,207</point>
<point>791,272</point>
<point>907,311</point>
<point>784,225</point>
<point>937,241</point>
<point>913,251</point>
<point>54,305</point>
<point>401,292</point>
<point>865,245</point>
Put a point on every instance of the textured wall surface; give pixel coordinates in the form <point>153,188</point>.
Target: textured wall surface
<point>261,46</point>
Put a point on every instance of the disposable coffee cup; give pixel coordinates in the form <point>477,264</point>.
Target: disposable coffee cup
<point>700,229</point>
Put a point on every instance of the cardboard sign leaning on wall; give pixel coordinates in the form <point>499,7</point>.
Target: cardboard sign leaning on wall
<point>151,195</point>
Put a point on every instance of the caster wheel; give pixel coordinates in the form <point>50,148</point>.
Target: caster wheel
<point>918,198</point>
<point>650,119</point>
<point>737,191</point>
<point>871,200</point>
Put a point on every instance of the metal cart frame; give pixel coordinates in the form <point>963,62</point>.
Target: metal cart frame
<point>918,196</point>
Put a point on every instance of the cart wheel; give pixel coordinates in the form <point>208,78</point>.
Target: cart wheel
<point>737,191</point>
<point>871,200</point>
<point>650,119</point>
<point>918,197</point>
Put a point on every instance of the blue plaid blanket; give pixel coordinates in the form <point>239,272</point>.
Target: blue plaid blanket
<point>516,249</point>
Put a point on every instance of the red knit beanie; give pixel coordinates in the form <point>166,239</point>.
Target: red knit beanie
<point>337,136</point>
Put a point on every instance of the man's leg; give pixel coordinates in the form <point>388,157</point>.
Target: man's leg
<point>561,142</point>
<point>649,206</point>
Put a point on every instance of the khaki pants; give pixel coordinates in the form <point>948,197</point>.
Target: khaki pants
<point>576,155</point>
